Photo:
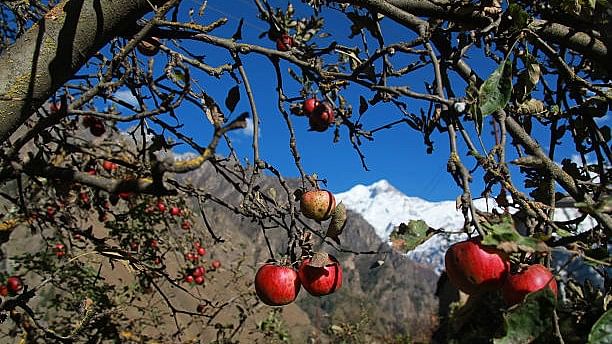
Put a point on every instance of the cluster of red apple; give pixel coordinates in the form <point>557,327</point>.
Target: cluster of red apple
<point>279,285</point>
<point>320,114</point>
<point>11,286</point>
<point>474,268</point>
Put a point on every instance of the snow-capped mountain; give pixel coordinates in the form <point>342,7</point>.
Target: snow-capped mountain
<point>385,207</point>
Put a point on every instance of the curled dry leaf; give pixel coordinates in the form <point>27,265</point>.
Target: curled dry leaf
<point>337,224</point>
<point>319,260</point>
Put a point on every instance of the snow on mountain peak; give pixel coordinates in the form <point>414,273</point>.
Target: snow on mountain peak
<point>384,207</point>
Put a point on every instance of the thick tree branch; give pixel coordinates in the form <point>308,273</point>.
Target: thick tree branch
<point>471,16</point>
<point>51,52</point>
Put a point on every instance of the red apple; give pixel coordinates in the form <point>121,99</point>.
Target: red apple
<point>310,105</point>
<point>319,281</point>
<point>276,285</point>
<point>529,280</point>
<point>474,268</point>
<point>284,42</point>
<point>317,204</point>
<point>322,116</point>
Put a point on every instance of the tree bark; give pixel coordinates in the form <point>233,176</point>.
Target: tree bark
<point>54,49</point>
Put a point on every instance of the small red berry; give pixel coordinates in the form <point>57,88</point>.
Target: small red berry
<point>161,207</point>
<point>153,243</point>
<point>186,225</point>
<point>3,290</point>
<point>189,279</point>
<point>215,264</point>
<point>175,211</point>
<point>201,251</point>
<point>199,280</point>
<point>198,272</point>
<point>14,284</point>
<point>84,197</point>
<point>108,165</point>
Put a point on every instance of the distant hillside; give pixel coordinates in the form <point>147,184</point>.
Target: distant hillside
<point>397,296</point>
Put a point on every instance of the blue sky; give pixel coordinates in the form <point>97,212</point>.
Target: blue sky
<point>397,154</point>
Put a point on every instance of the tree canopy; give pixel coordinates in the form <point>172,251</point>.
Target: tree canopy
<point>519,91</point>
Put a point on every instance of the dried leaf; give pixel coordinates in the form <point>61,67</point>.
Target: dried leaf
<point>337,224</point>
<point>238,34</point>
<point>232,99</point>
<point>319,260</point>
<point>406,237</point>
<point>363,105</point>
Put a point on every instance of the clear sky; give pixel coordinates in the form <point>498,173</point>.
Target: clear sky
<point>397,154</point>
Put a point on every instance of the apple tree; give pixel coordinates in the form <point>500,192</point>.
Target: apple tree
<point>517,92</point>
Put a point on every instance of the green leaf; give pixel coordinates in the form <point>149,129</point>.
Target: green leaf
<point>519,17</point>
<point>505,237</point>
<point>406,237</point>
<point>601,333</point>
<point>531,320</point>
<point>495,92</point>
